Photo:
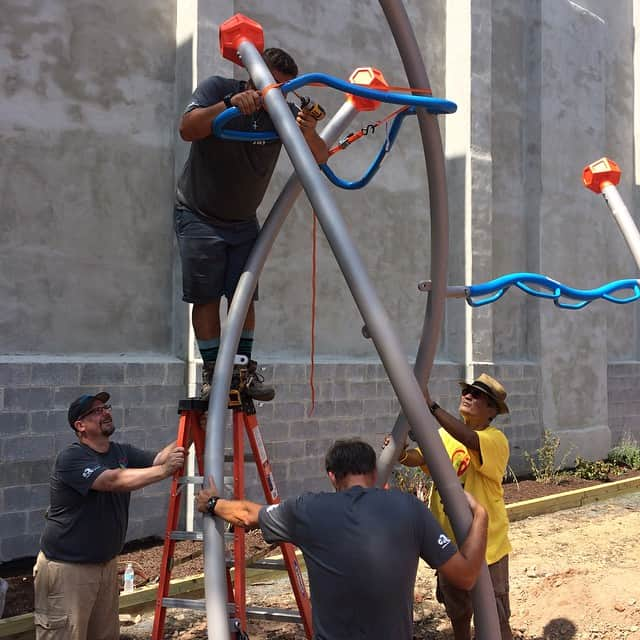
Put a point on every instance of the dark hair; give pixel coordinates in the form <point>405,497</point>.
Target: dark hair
<point>281,61</point>
<point>350,457</point>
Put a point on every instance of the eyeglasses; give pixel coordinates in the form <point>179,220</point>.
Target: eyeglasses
<point>473,392</point>
<point>476,393</point>
<point>99,410</point>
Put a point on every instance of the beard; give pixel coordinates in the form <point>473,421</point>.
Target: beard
<point>107,428</point>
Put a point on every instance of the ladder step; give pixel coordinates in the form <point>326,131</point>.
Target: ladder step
<point>281,615</point>
<point>184,603</point>
<point>187,535</point>
<point>191,480</point>
<point>275,564</point>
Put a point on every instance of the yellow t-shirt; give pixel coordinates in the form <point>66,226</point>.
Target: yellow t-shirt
<point>483,482</point>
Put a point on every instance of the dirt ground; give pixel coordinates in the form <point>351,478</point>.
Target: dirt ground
<point>575,574</point>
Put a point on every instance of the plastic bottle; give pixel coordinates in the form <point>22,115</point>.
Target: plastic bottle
<point>129,578</point>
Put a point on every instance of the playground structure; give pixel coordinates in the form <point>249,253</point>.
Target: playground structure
<point>238,44</point>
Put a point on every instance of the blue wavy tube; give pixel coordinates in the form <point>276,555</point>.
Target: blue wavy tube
<point>375,165</point>
<point>431,104</point>
<point>551,289</point>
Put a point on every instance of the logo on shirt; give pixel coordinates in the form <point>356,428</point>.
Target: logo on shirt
<point>88,471</point>
<point>443,541</point>
<point>271,507</point>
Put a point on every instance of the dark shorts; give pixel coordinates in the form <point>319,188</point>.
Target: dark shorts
<point>458,602</point>
<point>213,257</point>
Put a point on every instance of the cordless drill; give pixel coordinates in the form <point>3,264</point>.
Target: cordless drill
<point>316,110</point>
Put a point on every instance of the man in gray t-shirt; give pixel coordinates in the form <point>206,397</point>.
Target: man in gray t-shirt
<point>361,545</point>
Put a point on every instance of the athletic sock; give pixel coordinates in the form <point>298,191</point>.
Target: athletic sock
<point>209,350</point>
<point>246,343</point>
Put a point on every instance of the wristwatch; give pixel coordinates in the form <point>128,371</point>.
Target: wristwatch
<point>227,100</point>
<point>433,408</point>
<point>211,505</point>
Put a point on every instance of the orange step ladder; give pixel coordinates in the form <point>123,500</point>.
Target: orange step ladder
<point>190,432</point>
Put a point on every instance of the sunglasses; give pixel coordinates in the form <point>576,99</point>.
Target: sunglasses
<point>476,393</point>
<point>99,410</point>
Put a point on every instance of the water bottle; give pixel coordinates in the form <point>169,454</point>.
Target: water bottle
<point>129,577</point>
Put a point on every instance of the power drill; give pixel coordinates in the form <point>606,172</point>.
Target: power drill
<point>316,110</point>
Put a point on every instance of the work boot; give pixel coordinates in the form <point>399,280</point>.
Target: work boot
<point>207,376</point>
<point>253,382</point>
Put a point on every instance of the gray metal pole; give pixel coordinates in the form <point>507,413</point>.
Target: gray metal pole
<point>374,314</point>
<point>485,612</point>
<point>215,587</point>
<point>622,216</point>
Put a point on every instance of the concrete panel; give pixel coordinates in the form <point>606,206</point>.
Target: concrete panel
<point>86,118</point>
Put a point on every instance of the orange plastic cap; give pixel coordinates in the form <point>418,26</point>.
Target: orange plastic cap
<point>367,77</point>
<point>601,174</point>
<point>236,29</point>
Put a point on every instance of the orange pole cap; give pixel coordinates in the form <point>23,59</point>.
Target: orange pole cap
<point>236,29</point>
<point>600,174</point>
<point>367,77</point>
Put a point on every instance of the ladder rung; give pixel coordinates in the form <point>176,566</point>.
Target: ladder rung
<point>191,480</point>
<point>275,564</point>
<point>184,603</point>
<point>282,615</point>
<point>187,535</point>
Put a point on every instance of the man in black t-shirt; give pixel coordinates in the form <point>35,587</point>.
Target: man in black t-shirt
<point>222,184</point>
<point>361,545</point>
<point>75,576</point>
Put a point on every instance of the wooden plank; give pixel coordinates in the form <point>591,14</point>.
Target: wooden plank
<point>570,499</point>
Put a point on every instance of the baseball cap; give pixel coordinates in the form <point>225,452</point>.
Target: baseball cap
<point>82,405</point>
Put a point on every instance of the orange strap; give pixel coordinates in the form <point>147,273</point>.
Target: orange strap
<point>314,247</point>
<point>370,128</point>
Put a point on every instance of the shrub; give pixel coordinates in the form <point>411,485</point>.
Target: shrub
<point>626,454</point>
<point>543,462</point>
<point>413,480</point>
<point>601,470</point>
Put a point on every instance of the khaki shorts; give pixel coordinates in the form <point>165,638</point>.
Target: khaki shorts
<point>76,601</point>
<point>458,604</point>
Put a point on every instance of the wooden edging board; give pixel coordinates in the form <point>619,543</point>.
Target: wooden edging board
<point>516,511</point>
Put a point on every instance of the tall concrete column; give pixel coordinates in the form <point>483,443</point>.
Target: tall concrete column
<point>571,238</point>
<point>468,148</point>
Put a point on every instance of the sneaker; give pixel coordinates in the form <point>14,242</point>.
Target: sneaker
<point>207,376</point>
<point>253,382</point>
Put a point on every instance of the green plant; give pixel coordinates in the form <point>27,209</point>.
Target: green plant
<point>601,470</point>
<point>543,462</point>
<point>413,480</point>
<point>626,454</point>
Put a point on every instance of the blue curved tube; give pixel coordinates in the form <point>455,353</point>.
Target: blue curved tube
<point>495,289</point>
<point>431,104</point>
<point>375,165</point>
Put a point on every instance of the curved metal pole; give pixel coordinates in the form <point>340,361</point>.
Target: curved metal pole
<point>373,312</point>
<point>485,612</point>
<point>214,575</point>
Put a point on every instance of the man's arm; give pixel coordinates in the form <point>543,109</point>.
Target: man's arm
<point>307,124</point>
<point>242,513</point>
<point>463,568</point>
<point>163,454</point>
<point>120,480</point>
<point>456,428</point>
<point>196,124</point>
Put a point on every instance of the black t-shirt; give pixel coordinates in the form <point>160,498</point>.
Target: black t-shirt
<point>83,525</point>
<point>361,547</point>
<point>224,181</point>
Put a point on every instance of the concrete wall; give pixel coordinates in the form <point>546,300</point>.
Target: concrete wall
<point>90,99</point>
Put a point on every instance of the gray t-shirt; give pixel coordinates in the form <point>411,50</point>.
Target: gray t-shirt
<point>224,181</point>
<point>84,525</point>
<point>361,548</point>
